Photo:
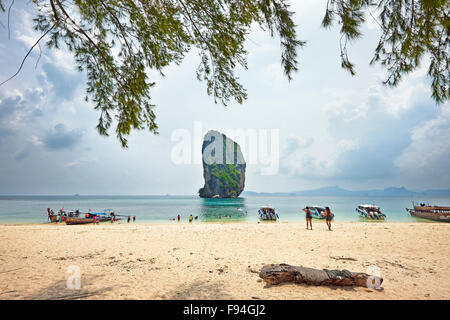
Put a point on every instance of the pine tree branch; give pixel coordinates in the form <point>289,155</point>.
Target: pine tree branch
<point>28,53</point>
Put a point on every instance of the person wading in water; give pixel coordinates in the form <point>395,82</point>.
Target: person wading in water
<point>308,218</point>
<point>328,216</point>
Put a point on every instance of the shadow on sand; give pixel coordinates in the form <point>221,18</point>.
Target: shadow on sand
<point>59,291</point>
<point>200,289</point>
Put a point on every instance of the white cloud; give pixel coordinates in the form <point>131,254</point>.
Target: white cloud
<point>72,164</point>
<point>63,59</point>
<point>303,158</point>
<point>35,140</point>
<point>429,152</point>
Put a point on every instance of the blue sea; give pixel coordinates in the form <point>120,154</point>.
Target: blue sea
<point>156,209</point>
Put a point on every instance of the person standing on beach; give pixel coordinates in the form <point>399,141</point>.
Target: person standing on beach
<point>190,218</point>
<point>134,218</point>
<point>308,218</point>
<point>179,218</point>
<point>129,218</point>
<point>328,216</point>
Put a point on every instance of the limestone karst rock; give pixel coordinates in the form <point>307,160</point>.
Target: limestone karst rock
<point>223,167</point>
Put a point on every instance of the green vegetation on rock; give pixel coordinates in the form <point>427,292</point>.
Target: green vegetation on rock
<point>228,177</point>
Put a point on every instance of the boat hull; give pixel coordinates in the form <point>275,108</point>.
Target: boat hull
<point>268,219</point>
<point>441,217</point>
<point>363,214</point>
<point>73,221</point>
<point>316,214</point>
<point>319,217</point>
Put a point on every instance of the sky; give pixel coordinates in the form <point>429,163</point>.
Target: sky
<point>328,128</point>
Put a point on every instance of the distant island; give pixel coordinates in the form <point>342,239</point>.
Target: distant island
<point>337,191</point>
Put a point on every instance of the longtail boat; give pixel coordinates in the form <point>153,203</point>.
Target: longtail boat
<point>427,211</point>
<point>52,217</point>
<point>61,215</point>
<point>72,217</point>
<point>91,217</point>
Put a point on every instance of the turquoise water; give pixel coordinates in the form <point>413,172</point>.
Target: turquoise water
<point>32,209</point>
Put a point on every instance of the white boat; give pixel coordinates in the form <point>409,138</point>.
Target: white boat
<point>268,213</point>
<point>370,211</point>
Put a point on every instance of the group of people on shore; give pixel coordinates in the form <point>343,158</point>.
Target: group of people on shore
<point>191,217</point>
<point>114,219</point>
<point>327,214</point>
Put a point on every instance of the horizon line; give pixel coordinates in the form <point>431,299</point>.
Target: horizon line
<point>193,195</point>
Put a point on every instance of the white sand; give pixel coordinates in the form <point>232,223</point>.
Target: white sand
<point>211,260</point>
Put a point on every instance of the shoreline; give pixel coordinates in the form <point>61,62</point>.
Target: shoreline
<point>251,220</point>
<point>318,223</point>
<point>220,260</point>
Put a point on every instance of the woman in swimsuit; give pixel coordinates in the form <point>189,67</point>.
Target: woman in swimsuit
<point>308,218</point>
<point>328,217</point>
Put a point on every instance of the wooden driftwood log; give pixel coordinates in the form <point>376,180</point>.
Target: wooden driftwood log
<point>280,273</point>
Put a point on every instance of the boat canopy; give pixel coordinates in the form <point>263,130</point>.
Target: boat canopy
<point>368,206</point>
<point>315,207</point>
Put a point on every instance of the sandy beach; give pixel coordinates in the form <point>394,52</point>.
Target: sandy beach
<point>220,260</point>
